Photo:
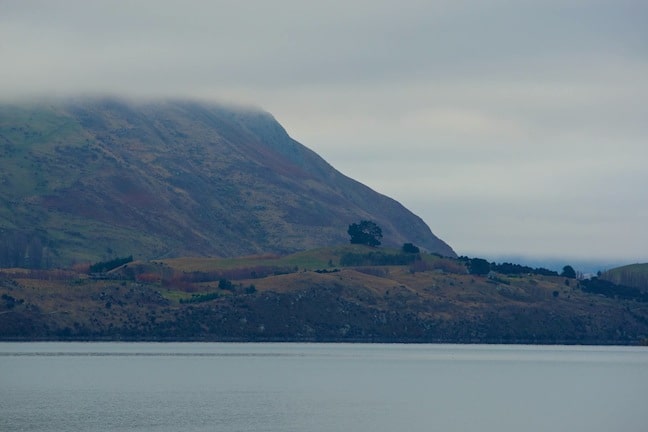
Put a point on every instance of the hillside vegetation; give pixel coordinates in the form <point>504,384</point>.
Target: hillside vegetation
<point>89,179</point>
<point>313,296</point>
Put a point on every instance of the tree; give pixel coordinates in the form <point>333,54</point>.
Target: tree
<point>365,232</point>
<point>479,266</point>
<point>568,272</point>
<point>106,266</point>
<point>225,284</point>
<point>410,248</point>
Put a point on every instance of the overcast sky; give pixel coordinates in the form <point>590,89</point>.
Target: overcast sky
<point>511,127</point>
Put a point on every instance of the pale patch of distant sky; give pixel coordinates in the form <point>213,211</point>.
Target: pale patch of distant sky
<point>512,127</point>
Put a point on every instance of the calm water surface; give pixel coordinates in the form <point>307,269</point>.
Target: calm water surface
<point>321,387</point>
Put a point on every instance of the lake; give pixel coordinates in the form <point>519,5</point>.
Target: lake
<point>321,387</point>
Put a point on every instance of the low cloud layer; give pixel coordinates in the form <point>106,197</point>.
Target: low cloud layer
<point>511,127</point>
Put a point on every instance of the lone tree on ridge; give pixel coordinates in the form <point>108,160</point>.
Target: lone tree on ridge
<point>568,272</point>
<point>366,233</point>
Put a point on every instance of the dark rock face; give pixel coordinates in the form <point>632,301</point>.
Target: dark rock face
<point>99,176</point>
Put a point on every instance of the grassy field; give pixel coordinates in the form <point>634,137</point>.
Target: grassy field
<point>315,259</point>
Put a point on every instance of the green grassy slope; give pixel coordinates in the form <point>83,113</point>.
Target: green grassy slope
<point>90,179</point>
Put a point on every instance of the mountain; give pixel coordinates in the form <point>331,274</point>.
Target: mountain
<point>632,275</point>
<point>89,179</point>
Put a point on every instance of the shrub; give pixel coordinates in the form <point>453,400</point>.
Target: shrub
<point>225,284</point>
<point>105,266</point>
<point>479,266</point>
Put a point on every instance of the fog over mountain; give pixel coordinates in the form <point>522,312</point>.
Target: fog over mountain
<point>89,178</point>
<point>512,128</point>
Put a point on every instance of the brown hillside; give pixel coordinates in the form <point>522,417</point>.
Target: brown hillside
<point>271,299</point>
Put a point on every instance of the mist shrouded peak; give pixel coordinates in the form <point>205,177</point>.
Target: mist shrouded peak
<point>95,176</point>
